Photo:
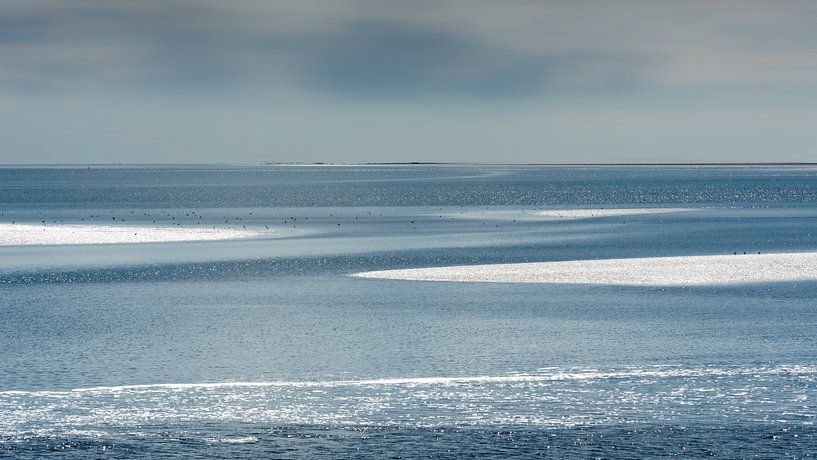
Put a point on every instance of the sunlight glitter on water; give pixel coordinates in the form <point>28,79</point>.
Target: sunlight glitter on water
<point>553,397</point>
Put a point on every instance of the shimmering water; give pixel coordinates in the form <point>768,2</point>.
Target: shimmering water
<point>268,347</point>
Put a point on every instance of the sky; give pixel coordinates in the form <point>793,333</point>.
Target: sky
<point>510,81</point>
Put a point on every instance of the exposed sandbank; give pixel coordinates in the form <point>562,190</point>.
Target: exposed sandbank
<point>561,214</point>
<point>23,234</point>
<point>653,271</point>
<point>612,212</point>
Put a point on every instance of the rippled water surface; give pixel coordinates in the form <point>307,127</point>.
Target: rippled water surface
<point>267,346</point>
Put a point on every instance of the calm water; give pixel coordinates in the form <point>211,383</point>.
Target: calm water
<point>267,347</point>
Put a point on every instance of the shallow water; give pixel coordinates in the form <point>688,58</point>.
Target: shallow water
<point>268,347</point>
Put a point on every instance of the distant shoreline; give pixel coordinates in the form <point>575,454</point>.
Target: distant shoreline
<point>409,163</point>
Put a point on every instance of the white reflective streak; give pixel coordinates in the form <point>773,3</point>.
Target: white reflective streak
<point>592,213</point>
<point>54,234</point>
<point>543,375</point>
<point>652,271</point>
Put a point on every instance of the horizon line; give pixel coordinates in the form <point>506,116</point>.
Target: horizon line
<point>409,163</point>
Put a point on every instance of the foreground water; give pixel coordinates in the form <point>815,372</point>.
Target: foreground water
<point>267,346</point>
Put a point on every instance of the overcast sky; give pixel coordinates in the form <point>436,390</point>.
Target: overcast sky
<point>203,81</point>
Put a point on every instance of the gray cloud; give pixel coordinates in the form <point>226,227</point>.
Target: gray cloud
<point>79,44</point>
<point>361,48</point>
<point>386,58</point>
<point>478,47</point>
<point>188,46</point>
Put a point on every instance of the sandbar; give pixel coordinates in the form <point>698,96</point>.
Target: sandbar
<point>651,271</point>
<point>25,234</point>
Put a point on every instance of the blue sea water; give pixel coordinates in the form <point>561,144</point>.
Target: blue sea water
<point>267,347</point>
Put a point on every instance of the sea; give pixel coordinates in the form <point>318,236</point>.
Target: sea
<point>265,344</point>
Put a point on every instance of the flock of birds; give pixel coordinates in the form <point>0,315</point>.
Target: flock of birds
<point>191,218</point>
<point>183,218</point>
